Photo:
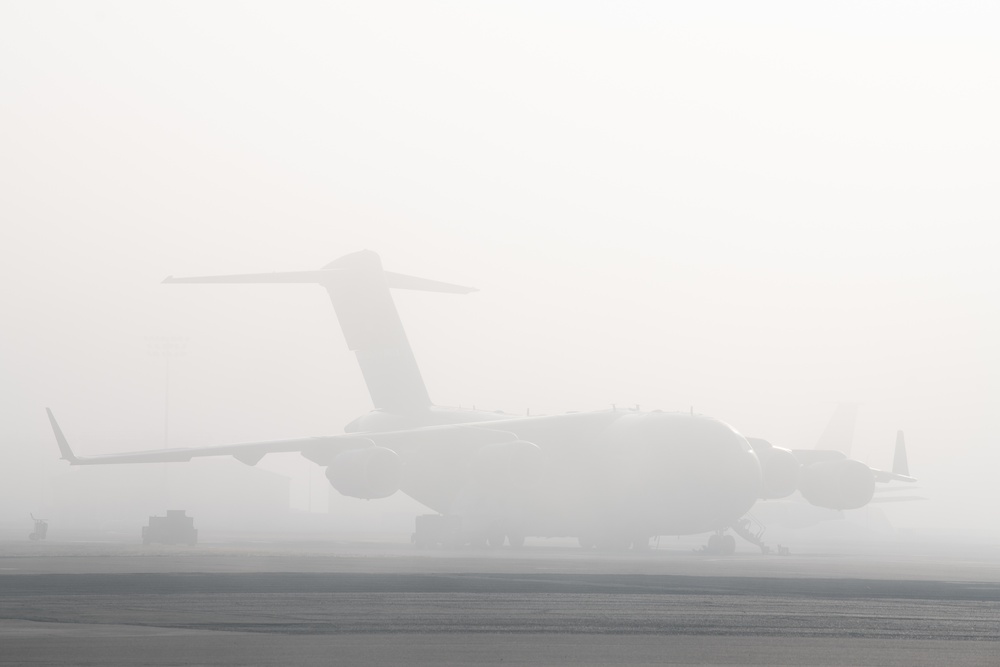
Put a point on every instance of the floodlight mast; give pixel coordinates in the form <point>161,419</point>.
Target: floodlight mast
<point>166,347</point>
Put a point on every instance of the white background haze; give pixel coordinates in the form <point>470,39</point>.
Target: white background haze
<point>756,209</point>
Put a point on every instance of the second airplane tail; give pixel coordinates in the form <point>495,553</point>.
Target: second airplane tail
<point>839,432</point>
<point>359,290</point>
<point>900,465</point>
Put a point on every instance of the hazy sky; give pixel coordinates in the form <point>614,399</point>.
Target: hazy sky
<point>758,210</point>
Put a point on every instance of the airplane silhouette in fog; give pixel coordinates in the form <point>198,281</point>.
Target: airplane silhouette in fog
<point>610,478</point>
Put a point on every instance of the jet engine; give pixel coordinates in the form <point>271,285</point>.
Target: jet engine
<point>843,484</point>
<point>778,467</point>
<point>369,473</point>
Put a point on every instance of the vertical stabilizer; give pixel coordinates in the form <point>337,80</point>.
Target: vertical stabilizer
<point>374,332</point>
<point>359,290</point>
<point>900,466</point>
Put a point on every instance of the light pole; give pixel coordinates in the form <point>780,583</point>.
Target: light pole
<point>166,347</point>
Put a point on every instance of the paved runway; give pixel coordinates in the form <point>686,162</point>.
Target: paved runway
<point>357,603</point>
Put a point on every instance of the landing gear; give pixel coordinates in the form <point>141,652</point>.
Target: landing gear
<point>749,528</point>
<point>509,530</point>
<point>434,530</point>
<point>720,544</point>
<point>752,530</point>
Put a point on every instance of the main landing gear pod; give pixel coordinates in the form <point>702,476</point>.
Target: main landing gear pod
<point>369,473</point>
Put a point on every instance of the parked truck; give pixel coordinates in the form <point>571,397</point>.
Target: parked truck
<point>175,528</point>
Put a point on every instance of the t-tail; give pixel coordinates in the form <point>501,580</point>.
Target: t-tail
<point>359,290</point>
<point>839,432</point>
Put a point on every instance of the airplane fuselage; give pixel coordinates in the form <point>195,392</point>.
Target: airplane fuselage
<point>610,474</point>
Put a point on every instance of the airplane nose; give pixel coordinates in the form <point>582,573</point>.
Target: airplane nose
<point>725,481</point>
<point>690,474</point>
<point>739,482</point>
<point>729,476</point>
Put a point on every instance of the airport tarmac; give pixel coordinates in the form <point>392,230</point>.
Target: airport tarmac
<point>378,601</point>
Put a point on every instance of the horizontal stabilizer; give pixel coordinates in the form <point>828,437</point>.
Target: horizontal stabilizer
<point>258,278</point>
<point>322,277</point>
<point>360,292</point>
<point>402,281</point>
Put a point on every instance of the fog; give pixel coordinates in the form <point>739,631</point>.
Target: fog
<point>755,213</point>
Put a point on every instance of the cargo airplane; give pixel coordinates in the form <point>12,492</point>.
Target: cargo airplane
<point>612,479</point>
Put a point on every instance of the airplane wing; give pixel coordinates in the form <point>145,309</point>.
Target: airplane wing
<point>320,449</point>
<point>884,476</point>
<point>900,466</point>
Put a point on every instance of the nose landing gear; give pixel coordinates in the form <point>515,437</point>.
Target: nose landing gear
<point>750,529</point>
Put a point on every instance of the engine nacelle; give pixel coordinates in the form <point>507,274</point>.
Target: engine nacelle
<point>779,469</point>
<point>843,484</point>
<point>370,473</point>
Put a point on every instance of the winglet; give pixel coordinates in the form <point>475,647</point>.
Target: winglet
<point>900,466</point>
<point>67,453</point>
